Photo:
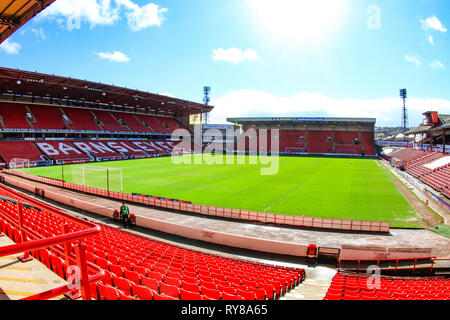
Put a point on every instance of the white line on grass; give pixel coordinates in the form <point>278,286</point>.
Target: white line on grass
<point>268,208</point>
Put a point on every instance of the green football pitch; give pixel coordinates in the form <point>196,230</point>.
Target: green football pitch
<point>358,189</point>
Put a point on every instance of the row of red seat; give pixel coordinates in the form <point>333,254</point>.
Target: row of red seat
<point>81,150</point>
<point>51,117</point>
<point>140,268</point>
<point>415,161</point>
<point>323,141</point>
<point>365,287</point>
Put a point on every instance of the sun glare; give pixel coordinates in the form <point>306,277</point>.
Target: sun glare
<point>298,21</point>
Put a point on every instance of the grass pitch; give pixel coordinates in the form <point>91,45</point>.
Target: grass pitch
<point>355,189</point>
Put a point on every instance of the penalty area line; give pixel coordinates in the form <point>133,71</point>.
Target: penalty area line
<point>287,194</point>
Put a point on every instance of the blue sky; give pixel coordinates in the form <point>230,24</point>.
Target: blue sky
<point>261,57</point>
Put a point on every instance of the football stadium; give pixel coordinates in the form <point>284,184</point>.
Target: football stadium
<point>112,193</point>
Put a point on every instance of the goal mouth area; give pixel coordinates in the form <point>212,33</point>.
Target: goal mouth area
<point>19,163</point>
<point>107,178</point>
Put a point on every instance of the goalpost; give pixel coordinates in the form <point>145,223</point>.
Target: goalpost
<point>19,163</point>
<point>107,178</point>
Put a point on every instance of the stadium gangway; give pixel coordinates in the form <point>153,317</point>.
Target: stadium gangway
<point>39,242</point>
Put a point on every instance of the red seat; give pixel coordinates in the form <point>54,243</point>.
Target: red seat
<point>126,297</point>
<point>208,284</point>
<point>226,296</point>
<point>150,283</point>
<point>157,296</point>
<point>123,284</point>
<point>228,290</point>
<point>155,275</point>
<point>169,290</point>
<point>172,281</point>
<point>132,276</point>
<point>140,270</point>
<point>117,270</point>
<point>106,292</point>
<point>190,287</point>
<point>188,295</point>
<point>143,293</point>
<point>250,296</point>
<point>211,293</point>
<point>260,294</point>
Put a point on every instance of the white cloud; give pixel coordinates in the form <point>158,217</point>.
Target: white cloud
<point>39,33</point>
<point>235,55</point>
<point>104,12</point>
<point>431,39</point>
<point>251,103</point>
<point>115,56</point>
<point>413,59</point>
<point>436,64</point>
<point>433,23</point>
<point>10,47</point>
<point>143,17</point>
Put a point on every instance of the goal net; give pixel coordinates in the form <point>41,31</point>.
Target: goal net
<point>98,177</point>
<point>19,164</point>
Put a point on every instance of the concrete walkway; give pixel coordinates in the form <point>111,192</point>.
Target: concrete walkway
<point>20,280</point>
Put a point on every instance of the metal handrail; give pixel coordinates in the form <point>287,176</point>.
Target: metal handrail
<point>40,242</point>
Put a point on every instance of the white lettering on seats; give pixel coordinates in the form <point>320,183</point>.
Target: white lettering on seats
<point>48,149</point>
<point>101,147</point>
<point>84,147</point>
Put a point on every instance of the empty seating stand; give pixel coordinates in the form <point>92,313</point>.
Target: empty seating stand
<point>154,123</point>
<point>13,115</point>
<point>108,122</point>
<point>140,268</point>
<point>132,122</point>
<point>362,287</point>
<point>319,142</point>
<point>81,119</point>
<point>47,117</point>
<point>20,149</point>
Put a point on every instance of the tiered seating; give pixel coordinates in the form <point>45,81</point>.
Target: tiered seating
<point>171,123</point>
<point>132,122</point>
<point>139,268</point>
<point>126,147</point>
<point>60,150</point>
<point>419,171</point>
<point>154,123</point>
<point>406,155</point>
<point>427,158</point>
<point>290,140</point>
<point>98,149</point>
<point>21,149</point>
<point>438,179</point>
<point>109,123</point>
<point>42,222</point>
<point>82,119</point>
<point>345,137</point>
<point>13,115</point>
<point>361,287</point>
<point>446,192</point>
<point>368,141</point>
<point>136,263</point>
<point>153,147</point>
<point>47,117</point>
<point>317,142</point>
